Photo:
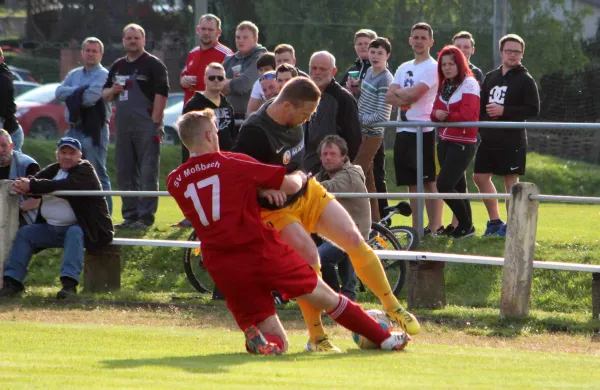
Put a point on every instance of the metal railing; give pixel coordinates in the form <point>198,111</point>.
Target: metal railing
<point>520,242</point>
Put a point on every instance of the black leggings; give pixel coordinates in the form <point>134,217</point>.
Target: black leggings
<point>454,159</point>
<point>379,175</point>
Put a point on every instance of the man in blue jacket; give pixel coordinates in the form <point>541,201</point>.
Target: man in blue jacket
<point>87,113</point>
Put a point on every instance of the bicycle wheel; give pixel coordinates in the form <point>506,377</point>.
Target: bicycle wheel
<point>407,237</point>
<point>395,270</point>
<point>194,268</point>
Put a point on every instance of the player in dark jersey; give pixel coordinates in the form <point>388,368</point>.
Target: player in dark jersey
<point>252,260</point>
<point>274,135</point>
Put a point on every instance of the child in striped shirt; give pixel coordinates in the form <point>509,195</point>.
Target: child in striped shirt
<point>372,108</point>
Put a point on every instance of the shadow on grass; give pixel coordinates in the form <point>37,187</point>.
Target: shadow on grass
<point>221,363</point>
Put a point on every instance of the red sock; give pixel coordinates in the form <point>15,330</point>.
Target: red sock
<point>271,338</point>
<point>352,317</point>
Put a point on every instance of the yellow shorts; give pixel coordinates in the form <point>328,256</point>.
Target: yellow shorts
<point>306,210</point>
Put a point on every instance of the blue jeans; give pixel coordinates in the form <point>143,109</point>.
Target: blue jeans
<point>40,236</point>
<point>330,256</point>
<point>18,137</point>
<point>96,155</point>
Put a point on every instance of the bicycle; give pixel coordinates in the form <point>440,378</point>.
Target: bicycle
<point>381,237</point>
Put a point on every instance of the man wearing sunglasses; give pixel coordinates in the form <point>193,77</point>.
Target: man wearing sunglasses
<point>212,97</point>
<point>268,83</point>
<point>508,94</point>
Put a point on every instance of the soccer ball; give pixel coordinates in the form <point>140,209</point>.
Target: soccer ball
<point>382,319</point>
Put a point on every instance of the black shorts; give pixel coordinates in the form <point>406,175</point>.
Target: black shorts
<point>405,158</point>
<point>504,160</point>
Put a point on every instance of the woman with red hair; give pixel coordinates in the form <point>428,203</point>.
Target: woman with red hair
<point>457,100</point>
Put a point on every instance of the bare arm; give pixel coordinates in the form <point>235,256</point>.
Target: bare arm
<point>293,182</point>
<point>407,96</point>
<point>160,102</point>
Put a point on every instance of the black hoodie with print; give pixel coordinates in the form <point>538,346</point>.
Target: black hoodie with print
<point>517,92</point>
<point>225,119</point>
<point>359,65</point>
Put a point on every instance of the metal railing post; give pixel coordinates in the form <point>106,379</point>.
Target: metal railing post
<point>420,185</point>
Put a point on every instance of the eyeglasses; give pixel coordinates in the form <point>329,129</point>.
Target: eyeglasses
<point>267,76</point>
<point>512,52</point>
<point>213,78</point>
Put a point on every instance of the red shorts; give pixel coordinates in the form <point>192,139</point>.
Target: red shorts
<point>247,278</point>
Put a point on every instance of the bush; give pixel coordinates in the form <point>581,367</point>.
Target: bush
<point>44,70</point>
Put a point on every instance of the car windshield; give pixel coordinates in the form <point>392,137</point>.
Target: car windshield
<point>174,98</point>
<point>43,94</point>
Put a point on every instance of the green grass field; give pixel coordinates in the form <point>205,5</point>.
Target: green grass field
<point>116,341</point>
<point>38,355</point>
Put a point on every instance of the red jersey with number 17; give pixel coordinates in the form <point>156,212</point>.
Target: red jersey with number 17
<point>217,194</point>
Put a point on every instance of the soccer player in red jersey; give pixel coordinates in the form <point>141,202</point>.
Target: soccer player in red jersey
<point>217,192</point>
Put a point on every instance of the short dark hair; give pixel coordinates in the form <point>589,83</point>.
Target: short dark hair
<point>334,140</point>
<point>266,59</point>
<point>211,17</point>
<point>463,35</point>
<point>422,26</point>
<point>381,42</point>
<point>285,48</point>
<point>286,68</point>
<point>512,38</point>
<point>299,90</point>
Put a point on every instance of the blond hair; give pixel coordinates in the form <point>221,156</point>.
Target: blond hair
<point>248,25</point>
<point>136,27</point>
<point>193,125</point>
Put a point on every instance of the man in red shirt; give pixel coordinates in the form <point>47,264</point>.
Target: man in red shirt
<point>217,192</point>
<point>210,50</point>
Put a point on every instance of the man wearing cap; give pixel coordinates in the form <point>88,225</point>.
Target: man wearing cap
<point>74,223</point>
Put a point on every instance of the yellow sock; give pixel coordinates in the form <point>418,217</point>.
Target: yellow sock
<point>369,269</point>
<point>312,319</point>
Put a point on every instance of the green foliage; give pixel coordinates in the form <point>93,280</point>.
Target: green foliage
<point>330,25</point>
<point>45,70</point>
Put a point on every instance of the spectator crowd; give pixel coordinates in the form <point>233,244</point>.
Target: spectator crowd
<point>341,146</point>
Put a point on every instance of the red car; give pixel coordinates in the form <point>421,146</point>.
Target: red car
<point>42,116</point>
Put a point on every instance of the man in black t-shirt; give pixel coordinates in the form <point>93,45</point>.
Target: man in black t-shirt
<point>465,42</point>
<point>138,85</point>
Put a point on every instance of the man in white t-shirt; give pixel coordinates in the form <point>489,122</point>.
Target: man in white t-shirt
<point>413,91</point>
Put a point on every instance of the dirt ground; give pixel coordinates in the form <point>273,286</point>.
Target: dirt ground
<point>215,317</point>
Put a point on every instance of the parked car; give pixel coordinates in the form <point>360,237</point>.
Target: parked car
<point>170,118</point>
<point>22,74</point>
<point>40,114</point>
<point>23,86</point>
<point>174,98</point>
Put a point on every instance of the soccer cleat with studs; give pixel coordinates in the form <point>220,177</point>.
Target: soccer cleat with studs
<point>396,342</point>
<point>405,320</point>
<point>322,345</point>
<point>257,344</point>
